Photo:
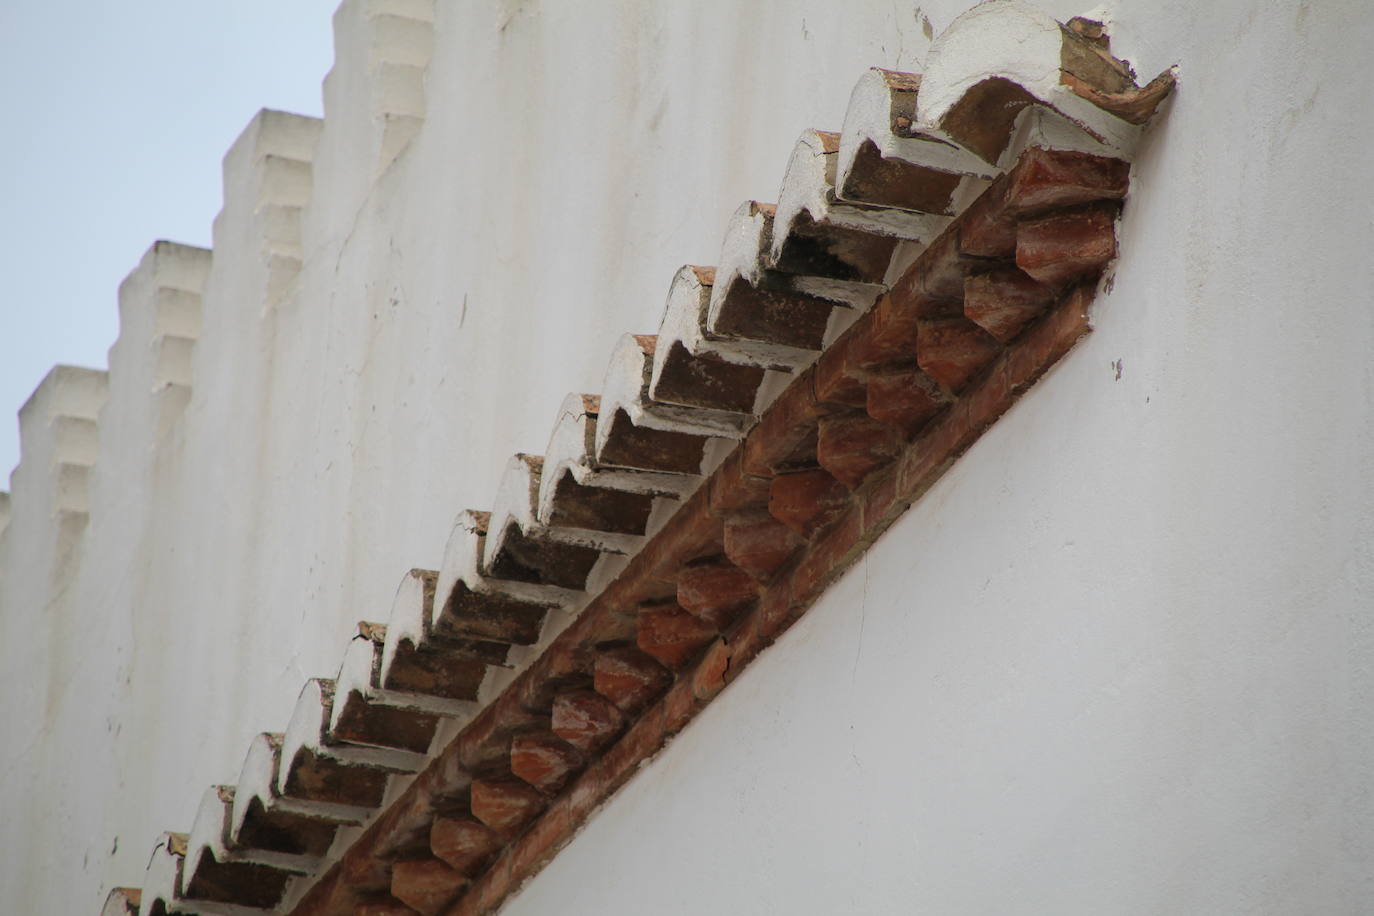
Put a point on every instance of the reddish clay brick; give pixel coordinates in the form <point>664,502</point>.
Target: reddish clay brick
<point>329,896</point>
<point>541,841</point>
<point>775,611</point>
<point>1044,344</point>
<point>746,642</point>
<point>672,635</point>
<point>692,532</point>
<point>1004,301</point>
<point>1048,341</point>
<point>586,793</point>
<point>881,501</point>
<point>986,228</point>
<point>425,885</point>
<point>852,446</point>
<point>789,422</point>
<point>629,678</point>
<point>505,805</point>
<point>905,398</point>
<point>826,559</point>
<point>586,720</point>
<point>983,404</point>
<point>486,894</point>
<point>641,741</point>
<point>759,544</point>
<point>465,844</point>
<point>889,331</point>
<point>544,761</point>
<point>364,873</point>
<point>942,268</point>
<point>467,904</point>
<point>679,704</point>
<point>1054,179</point>
<point>410,819</point>
<point>838,378</point>
<point>807,501</point>
<point>732,490</point>
<point>709,677</point>
<point>379,908</point>
<point>482,745</point>
<point>953,350</point>
<point>610,771</point>
<point>940,443</point>
<point>715,591</point>
<point>1066,247</point>
<point>568,670</point>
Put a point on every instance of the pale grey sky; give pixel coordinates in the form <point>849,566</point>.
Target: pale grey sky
<point>116,117</point>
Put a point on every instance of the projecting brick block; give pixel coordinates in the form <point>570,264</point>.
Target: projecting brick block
<point>826,559</point>
<point>544,761</point>
<point>466,845</point>
<point>586,720</point>
<point>543,840</point>
<point>672,635</point>
<point>881,501</point>
<point>427,886</point>
<point>733,490</point>
<point>905,398</point>
<point>1055,179</point>
<point>986,229</point>
<point>807,500</point>
<point>894,321</point>
<point>759,544</point>
<point>1002,302</point>
<point>837,376</point>
<point>692,532</point>
<point>942,268</point>
<point>953,350</point>
<point>484,744</point>
<point>505,805</point>
<point>852,446</point>
<point>364,875</point>
<point>709,677</point>
<point>628,678</point>
<point>1065,247</point>
<point>715,591</point>
<point>789,424</point>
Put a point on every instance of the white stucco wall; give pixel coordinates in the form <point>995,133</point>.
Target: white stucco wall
<point>1117,661</point>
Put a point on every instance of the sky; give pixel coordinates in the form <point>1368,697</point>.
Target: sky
<point>117,115</point>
